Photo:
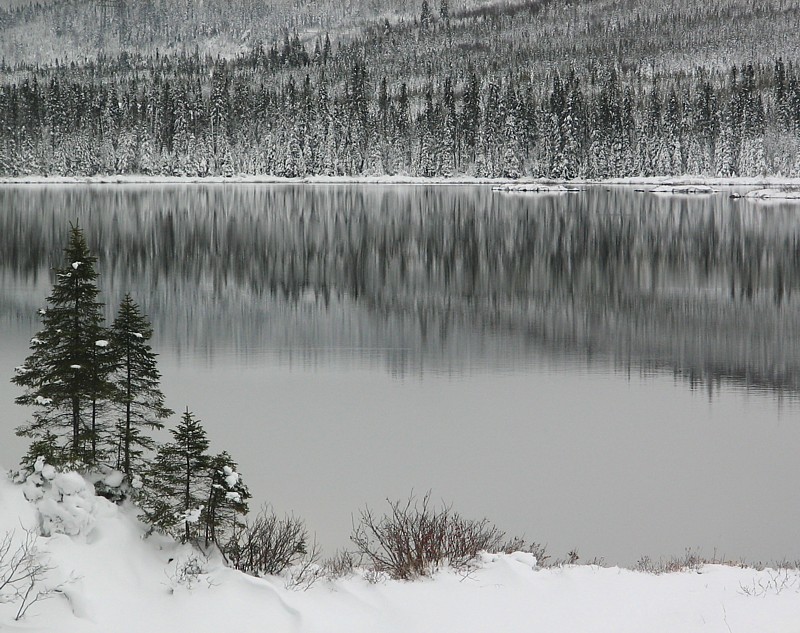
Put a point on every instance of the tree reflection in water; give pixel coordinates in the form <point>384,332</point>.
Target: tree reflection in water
<point>448,278</point>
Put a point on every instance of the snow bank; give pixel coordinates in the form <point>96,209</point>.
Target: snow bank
<point>535,188</point>
<point>773,194</point>
<point>246,179</point>
<point>117,580</point>
<point>738,181</point>
<point>683,189</point>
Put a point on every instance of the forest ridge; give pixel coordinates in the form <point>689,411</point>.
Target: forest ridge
<point>503,89</point>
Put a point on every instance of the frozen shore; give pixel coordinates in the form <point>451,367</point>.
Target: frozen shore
<point>521,184</point>
<point>110,577</point>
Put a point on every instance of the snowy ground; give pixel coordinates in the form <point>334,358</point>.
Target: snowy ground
<point>525,183</point>
<point>121,581</point>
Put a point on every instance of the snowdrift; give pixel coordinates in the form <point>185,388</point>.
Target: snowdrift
<point>535,188</point>
<point>683,189</point>
<point>111,576</point>
<point>773,194</point>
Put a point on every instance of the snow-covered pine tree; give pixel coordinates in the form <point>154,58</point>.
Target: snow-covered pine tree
<point>138,395</point>
<point>226,500</point>
<point>66,376</point>
<point>176,490</point>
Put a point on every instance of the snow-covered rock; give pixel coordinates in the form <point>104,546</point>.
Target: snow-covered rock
<point>773,194</point>
<point>684,189</point>
<point>535,188</point>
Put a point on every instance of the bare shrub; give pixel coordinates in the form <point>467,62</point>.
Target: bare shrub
<point>269,544</point>
<point>518,544</point>
<point>189,572</point>
<point>340,565</point>
<point>303,574</point>
<point>413,538</point>
<point>23,573</point>
<point>690,561</point>
<point>776,582</point>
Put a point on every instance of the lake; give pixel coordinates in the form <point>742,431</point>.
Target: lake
<point>611,370</point>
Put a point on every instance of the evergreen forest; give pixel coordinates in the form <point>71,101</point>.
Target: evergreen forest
<point>550,88</point>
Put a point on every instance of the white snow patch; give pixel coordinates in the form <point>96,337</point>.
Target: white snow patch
<point>684,189</point>
<point>101,343</point>
<point>75,366</point>
<point>193,516</point>
<point>773,194</point>
<point>137,334</point>
<point>65,501</point>
<point>128,583</point>
<point>233,496</point>
<point>37,341</point>
<point>114,479</point>
<point>76,264</point>
<point>43,401</point>
<point>231,476</point>
<point>535,188</point>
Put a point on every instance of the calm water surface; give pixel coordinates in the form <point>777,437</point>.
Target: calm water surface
<point>610,371</point>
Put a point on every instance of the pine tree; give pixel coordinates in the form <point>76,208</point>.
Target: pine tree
<point>66,374</point>
<point>176,489</point>
<point>226,500</point>
<point>138,396</point>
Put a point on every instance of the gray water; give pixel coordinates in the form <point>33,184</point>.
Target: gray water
<point>610,371</point>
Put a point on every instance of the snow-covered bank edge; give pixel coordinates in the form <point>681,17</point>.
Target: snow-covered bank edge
<point>654,181</point>
<point>108,577</point>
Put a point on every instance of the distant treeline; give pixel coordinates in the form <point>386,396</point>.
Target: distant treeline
<point>429,88</point>
<point>335,114</point>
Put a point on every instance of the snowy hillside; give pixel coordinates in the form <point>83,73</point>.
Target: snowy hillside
<point>110,577</point>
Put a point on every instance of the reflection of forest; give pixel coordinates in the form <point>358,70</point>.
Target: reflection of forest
<point>442,277</point>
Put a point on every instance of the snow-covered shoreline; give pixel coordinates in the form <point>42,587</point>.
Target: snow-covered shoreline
<point>654,181</point>
<point>108,576</point>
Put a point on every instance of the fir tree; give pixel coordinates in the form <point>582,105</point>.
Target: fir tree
<point>176,484</point>
<point>226,500</point>
<point>138,395</point>
<point>66,374</point>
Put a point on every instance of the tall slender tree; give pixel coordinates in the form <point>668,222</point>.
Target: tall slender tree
<point>138,396</point>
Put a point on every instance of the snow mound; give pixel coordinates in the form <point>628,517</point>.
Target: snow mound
<point>127,580</point>
<point>66,502</point>
<point>773,194</point>
<point>684,189</point>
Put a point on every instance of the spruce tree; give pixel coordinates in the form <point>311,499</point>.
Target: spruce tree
<point>226,500</point>
<point>66,375</point>
<point>138,397</point>
<point>176,492</point>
